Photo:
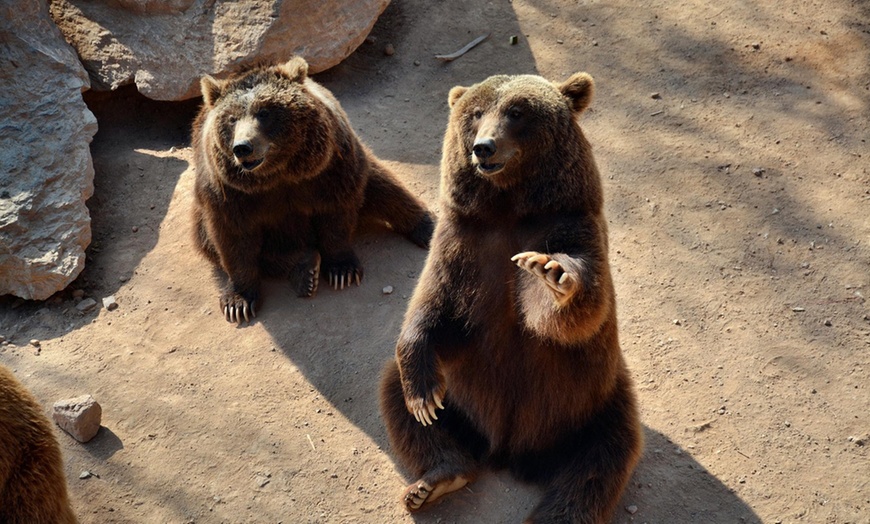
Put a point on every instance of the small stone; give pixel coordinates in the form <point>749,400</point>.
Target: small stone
<point>34,343</point>
<point>416,62</point>
<point>388,290</point>
<point>80,417</point>
<point>109,303</point>
<point>86,305</point>
<point>2,339</point>
<point>560,41</point>
<point>655,96</point>
<point>756,45</point>
<point>798,309</point>
<point>78,293</point>
<point>631,509</point>
<point>677,322</point>
<point>828,322</point>
<point>513,40</point>
<point>787,424</point>
<point>135,229</point>
<point>389,50</point>
<point>758,171</point>
<point>85,475</point>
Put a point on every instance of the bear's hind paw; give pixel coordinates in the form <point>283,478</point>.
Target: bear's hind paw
<point>421,491</point>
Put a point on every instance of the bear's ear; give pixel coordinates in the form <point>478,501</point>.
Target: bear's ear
<point>211,90</point>
<point>578,90</point>
<point>295,69</point>
<point>455,94</point>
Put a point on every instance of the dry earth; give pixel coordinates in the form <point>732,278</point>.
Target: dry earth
<point>732,137</point>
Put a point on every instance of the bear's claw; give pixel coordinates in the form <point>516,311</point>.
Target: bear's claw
<point>237,309</point>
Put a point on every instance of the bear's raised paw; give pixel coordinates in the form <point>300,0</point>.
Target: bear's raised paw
<point>563,282</point>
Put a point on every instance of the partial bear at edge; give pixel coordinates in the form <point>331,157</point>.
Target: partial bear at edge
<point>33,487</point>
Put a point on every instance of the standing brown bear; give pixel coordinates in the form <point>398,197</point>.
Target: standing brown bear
<point>32,483</point>
<point>282,181</point>
<point>509,355</point>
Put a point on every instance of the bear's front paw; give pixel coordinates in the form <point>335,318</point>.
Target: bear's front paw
<point>343,271</point>
<point>237,308</point>
<point>305,275</point>
<point>563,282</point>
<point>423,408</point>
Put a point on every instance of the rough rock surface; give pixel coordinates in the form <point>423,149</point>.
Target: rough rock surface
<point>47,172</point>
<point>165,46</point>
<point>80,417</point>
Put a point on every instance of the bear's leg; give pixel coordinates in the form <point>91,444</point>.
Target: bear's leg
<point>201,239</point>
<point>589,472</point>
<point>444,456</point>
<point>387,201</point>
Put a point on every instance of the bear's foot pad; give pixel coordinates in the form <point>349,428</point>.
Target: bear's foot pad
<point>421,491</point>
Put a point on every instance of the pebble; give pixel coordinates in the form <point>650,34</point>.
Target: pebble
<point>109,303</point>
<point>78,293</point>
<point>34,343</point>
<point>388,290</point>
<point>389,50</point>
<point>135,229</point>
<point>631,509</point>
<point>828,322</point>
<point>86,305</point>
<point>798,309</point>
<point>756,45</point>
<point>85,475</point>
<point>655,96</point>
<point>2,339</point>
<point>758,171</point>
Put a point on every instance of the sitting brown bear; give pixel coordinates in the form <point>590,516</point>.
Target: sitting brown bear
<point>509,354</point>
<point>32,483</point>
<point>282,181</point>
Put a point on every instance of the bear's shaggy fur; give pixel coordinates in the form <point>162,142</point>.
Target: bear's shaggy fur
<point>282,181</point>
<point>32,484</point>
<point>509,355</point>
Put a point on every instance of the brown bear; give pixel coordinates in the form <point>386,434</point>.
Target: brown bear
<point>509,355</point>
<point>32,484</point>
<point>282,181</point>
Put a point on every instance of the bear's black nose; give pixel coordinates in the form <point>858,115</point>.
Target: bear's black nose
<point>484,148</point>
<point>242,149</point>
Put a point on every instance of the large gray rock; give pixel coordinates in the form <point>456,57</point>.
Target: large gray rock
<point>46,172</point>
<point>165,46</point>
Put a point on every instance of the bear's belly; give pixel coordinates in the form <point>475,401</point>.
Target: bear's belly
<point>521,393</point>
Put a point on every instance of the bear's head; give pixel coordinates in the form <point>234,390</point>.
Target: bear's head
<point>509,128</point>
<point>268,125</point>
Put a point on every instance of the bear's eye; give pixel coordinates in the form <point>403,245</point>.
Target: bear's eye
<point>478,112</point>
<point>263,114</point>
<point>515,113</point>
<point>232,120</point>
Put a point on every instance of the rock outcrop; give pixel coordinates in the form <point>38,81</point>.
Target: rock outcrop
<point>46,174</point>
<point>165,46</point>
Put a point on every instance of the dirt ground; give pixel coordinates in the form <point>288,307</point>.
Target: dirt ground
<point>732,138</point>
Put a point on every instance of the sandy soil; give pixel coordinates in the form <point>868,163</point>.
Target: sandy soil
<point>732,138</point>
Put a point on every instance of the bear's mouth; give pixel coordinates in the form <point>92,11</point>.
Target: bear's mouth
<point>489,169</point>
<point>250,165</point>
